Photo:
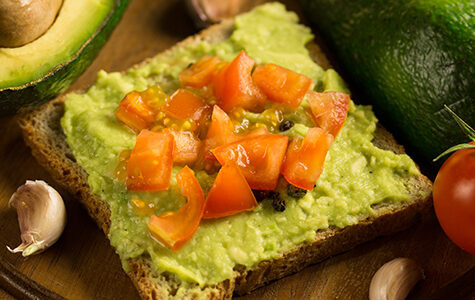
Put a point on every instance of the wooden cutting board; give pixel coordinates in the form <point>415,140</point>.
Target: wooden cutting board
<point>82,265</point>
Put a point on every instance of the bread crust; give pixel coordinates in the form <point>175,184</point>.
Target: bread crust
<point>43,134</point>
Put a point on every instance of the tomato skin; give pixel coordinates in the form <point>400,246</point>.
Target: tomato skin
<point>229,195</point>
<point>175,228</point>
<point>150,164</point>
<point>184,104</point>
<point>200,73</point>
<point>281,84</point>
<point>259,158</point>
<point>329,110</point>
<point>304,159</point>
<point>134,112</point>
<point>454,198</point>
<point>187,147</point>
<point>220,132</point>
<point>234,87</point>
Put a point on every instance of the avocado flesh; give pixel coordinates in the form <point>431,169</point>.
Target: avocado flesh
<point>42,69</point>
<point>408,58</point>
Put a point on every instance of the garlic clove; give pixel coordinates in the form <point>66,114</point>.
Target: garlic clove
<point>207,12</point>
<point>41,216</point>
<point>395,279</point>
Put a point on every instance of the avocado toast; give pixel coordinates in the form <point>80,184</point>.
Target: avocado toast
<point>44,135</point>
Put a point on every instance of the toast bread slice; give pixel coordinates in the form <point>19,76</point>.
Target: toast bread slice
<point>43,134</point>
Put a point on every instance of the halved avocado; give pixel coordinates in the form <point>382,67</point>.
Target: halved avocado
<point>38,71</point>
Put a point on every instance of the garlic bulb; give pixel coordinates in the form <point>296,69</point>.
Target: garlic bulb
<point>395,279</point>
<point>41,216</point>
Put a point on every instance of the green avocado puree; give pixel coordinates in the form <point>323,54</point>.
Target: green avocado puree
<point>356,175</point>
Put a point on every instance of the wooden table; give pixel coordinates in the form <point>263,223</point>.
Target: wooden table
<point>82,264</point>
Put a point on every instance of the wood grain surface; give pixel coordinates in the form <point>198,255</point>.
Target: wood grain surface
<point>82,264</point>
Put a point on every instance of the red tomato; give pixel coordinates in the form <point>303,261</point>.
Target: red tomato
<point>175,228</point>
<point>200,73</point>
<point>259,158</point>
<point>454,198</point>
<point>281,84</point>
<point>329,110</point>
<point>304,159</point>
<point>229,195</point>
<point>184,104</point>
<point>220,132</point>
<point>187,147</point>
<point>150,164</point>
<point>234,87</point>
<point>134,112</point>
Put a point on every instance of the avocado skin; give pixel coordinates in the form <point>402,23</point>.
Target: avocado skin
<point>58,80</point>
<point>407,59</point>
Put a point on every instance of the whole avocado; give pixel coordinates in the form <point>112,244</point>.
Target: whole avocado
<point>407,58</point>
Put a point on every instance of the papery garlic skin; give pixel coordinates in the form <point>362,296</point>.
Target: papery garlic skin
<point>395,279</point>
<point>41,216</point>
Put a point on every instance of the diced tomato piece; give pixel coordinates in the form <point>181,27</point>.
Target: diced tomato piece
<point>234,87</point>
<point>304,159</point>
<point>329,110</point>
<point>230,194</point>
<point>281,84</point>
<point>184,104</point>
<point>175,228</point>
<point>253,133</point>
<point>187,147</point>
<point>259,158</point>
<point>150,164</point>
<point>200,73</point>
<point>220,132</point>
<point>134,112</point>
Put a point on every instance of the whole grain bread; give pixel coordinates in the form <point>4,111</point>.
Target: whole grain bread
<point>43,134</point>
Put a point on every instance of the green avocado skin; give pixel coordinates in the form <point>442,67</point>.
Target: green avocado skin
<point>57,81</point>
<point>407,59</point>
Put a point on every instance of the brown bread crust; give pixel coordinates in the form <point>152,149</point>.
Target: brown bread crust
<point>43,134</point>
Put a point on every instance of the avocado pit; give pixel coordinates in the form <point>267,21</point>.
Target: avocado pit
<point>23,21</point>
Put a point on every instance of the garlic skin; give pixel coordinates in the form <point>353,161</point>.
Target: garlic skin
<point>41,216</point>
<point>395,279</point>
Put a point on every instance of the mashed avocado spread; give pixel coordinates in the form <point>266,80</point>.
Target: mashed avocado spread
<point>356,176</point>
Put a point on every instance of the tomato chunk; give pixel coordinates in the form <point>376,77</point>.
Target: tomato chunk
<point>175,228</point>
<point>220,132</point>
<point>184,104</point>
<point>304,159</point>
<point>187,147</point>
<point>134,112</point>
<point>281,84</point>
<point>259,158</point>
<point>150,163</point>
<point>329,110</point>
<point>200,73</point>
<point>234,87</point>
<point>230,194</point>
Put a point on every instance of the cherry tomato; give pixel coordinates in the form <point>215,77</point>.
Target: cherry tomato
<point>454,198</point>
